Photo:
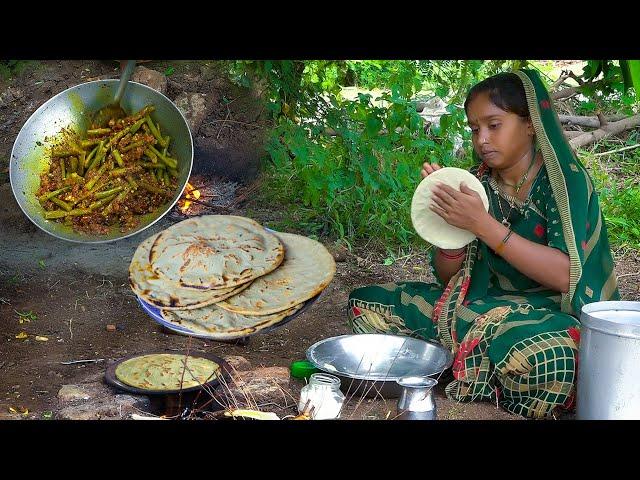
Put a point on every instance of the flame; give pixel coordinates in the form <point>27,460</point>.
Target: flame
<point>190,193</point>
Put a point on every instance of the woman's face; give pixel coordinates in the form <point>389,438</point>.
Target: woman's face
<point>500,138</point>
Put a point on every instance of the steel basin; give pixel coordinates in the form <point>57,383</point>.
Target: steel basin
<point>370,364</point>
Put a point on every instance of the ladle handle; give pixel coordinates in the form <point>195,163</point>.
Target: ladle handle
<point>124,78</point>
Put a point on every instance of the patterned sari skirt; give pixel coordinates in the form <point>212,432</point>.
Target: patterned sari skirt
<point>519,351</point>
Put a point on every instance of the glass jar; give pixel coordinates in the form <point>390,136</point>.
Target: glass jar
<point>324,395</point>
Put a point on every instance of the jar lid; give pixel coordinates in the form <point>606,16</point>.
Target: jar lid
<point>302,369</point>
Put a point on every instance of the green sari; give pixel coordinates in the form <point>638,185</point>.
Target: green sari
<point>514,341</point>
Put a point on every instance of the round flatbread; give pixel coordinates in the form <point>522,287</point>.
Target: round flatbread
<point>431,226</point>
<point>165,371</point>
<point>306,270</point>
<point>164,293</point>
<point>221,324</point>
<point>215,251</point>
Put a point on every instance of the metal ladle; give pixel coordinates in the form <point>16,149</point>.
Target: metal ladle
<point>114,110</point>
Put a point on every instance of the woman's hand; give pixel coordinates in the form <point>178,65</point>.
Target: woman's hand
<point>463,209</point>
<point>429,168</point>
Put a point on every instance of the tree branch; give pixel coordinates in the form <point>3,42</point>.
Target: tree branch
<point>593,122</point>
<point>563,76</point>
<point>571,91</point>
<point>572,133</point>
<point>607,130</point>
<point>617,150</point>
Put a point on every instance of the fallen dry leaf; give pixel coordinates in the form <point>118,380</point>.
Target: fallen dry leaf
<point>22,335</point>
<point>20,410</point>
<point>41,339</point>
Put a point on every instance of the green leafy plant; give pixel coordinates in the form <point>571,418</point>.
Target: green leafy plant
<point>348,168</point>
<point>621,208</point>
<point>10,68</point>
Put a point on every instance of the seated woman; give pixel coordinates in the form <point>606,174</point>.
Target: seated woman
<point>507,305</point>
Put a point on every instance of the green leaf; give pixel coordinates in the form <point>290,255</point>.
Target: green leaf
<point>388,261</point>
<point>373,126</point>
<point>627,100</point>
<point>42,264</point>
<point>169,71</point>
<point>27,316</point>
<point>442,91</point>
<point>631,75</point>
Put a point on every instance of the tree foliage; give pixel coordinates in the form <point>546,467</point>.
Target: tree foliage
<point>348,168</point>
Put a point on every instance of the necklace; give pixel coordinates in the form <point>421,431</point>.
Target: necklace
<point>510,199</point>
<point>505,218</point>
<point>522,180</point>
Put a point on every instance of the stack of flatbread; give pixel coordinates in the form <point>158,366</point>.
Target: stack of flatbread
<point>225,276</point>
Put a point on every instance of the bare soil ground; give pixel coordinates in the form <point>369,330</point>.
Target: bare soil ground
<point>74,291</point>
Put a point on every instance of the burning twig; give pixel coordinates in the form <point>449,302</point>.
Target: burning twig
<point>210,205</point>
<point>190,195</point>
<point>135,416</point>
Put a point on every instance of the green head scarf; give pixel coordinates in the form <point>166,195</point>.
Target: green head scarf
<point>592,275</point>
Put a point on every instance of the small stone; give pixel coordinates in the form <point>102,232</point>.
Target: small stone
<point>339,252</point>
<point>72,393</point>
<point>237,363</point>
<point>150,78</point>
<point>109,408</point>
<point>259,386</point>
<point>111,328</point>
<point>195,107</point>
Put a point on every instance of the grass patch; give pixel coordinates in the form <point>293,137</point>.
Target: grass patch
<point>617,181</point>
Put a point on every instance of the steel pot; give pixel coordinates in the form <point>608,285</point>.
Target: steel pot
<point>609,355</point>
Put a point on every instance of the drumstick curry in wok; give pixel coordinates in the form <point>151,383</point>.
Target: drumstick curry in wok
<point>110,176</point>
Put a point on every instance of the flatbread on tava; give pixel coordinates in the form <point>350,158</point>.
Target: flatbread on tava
<point>165,371</point>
